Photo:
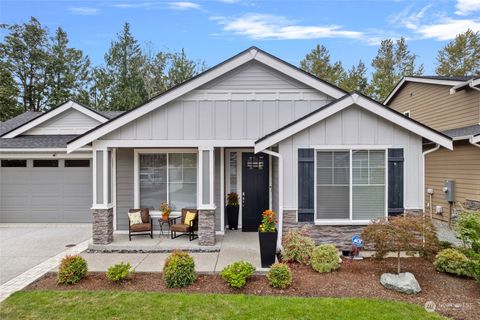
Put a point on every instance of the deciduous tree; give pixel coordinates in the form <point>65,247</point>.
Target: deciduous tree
<point>460,57</point>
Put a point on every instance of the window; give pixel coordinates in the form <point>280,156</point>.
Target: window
<point>233,172</point>
<point>354,175</point>
<point>14,163</point>
<point>170,177</point>
<point>45,163</point>
<point>77,163</point>
<point>368,185</point>
<point>407,113</point>
<point>333,192</point>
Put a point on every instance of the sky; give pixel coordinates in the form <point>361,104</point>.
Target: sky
<point>216,30</point>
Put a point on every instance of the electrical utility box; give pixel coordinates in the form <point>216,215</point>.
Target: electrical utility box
<point>449,189</point>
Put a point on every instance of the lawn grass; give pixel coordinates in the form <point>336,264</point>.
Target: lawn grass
<point>146,305</point>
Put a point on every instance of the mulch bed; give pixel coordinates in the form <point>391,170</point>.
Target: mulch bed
<point>454,297</point>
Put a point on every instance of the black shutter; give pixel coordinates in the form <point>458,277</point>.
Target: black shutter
<point>306,171</point>
<point>395,181</point>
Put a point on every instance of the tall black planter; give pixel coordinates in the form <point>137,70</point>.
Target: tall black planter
<point>232,216</point>
<point>268,248</point>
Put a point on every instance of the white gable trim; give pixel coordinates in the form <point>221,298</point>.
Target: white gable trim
<point>229,65</point>
<point>51,114</point>
<point>420,80</point>
<point>365,103</point>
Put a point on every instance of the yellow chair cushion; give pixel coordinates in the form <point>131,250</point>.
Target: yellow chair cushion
<point>135,218</point>
<point>189,217</point>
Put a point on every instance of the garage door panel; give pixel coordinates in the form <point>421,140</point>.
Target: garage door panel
<point>45,194</point>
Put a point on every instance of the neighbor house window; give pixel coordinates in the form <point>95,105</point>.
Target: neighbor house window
<point>350,185</point>
<point>168,177</point>
<point>407,113</point>
<point>14,163</point>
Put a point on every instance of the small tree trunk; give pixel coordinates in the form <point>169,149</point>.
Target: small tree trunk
<point>398,262</point>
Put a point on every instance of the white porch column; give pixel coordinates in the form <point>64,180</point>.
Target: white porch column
<point>205,193</point>
<point>102,208</point>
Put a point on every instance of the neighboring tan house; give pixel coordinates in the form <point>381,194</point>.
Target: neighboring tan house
<point>254,124</point>
<point>450,105</point>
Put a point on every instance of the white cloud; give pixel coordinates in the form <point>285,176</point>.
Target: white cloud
<point>436,26</point>
<point>85,11</point>
<point>466,7</point>
<point>265,26</point>
<point>132,5</point>
<point>183,5</point>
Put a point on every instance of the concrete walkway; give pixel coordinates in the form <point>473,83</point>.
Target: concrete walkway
<point>234,246</point>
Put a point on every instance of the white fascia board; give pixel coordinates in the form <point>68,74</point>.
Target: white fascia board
<point>475,82</point>
<point>49,115</point>
<point>299,75</point>
<point>200,144</point>
<point>364,103</point>
<point>250,55</point>
<point>420,80</point>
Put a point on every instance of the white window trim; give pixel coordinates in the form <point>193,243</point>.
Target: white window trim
<point>136,170</point>
<point>350,149</point>
<point>407,113</point>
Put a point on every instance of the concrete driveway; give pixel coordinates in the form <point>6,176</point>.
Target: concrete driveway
<point>23,246</point>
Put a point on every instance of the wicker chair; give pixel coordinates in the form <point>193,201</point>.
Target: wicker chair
<point>145,228</point>
<point>185,229</point>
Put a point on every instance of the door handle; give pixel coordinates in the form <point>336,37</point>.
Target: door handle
<point>243,199</point>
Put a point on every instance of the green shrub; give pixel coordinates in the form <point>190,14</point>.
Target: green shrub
<point>71,270</point>
<point>452,261</point>
<point>179,270</point>
<point>325,258</point>
<point>236,274</point>
<point>468,230</point>
<point>474,268</point>
<point>279,276</point>
<point>119,272</point>
<point>297,247</point>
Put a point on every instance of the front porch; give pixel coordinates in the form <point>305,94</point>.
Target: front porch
<point>201,177</point>
<point>148,255</point>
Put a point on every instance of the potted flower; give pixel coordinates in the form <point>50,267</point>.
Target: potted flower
<point>267,235</point>
<point>165,208</point>
<point>232,210</point>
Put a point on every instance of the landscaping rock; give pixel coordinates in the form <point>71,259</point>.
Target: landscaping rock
<point>403,282</point>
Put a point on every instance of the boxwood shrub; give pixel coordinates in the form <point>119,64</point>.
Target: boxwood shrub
<point>279,276</point>
<point>452,261</point>
<point>119,272</point>
<point>71,270</point>
<point>179,270</point>
<point>325,258</point>
<point>237,273</point>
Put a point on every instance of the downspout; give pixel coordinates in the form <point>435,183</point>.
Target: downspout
<point>437,146</point>
<point>280,194</point>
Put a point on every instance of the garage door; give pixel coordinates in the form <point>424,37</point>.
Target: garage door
<point>45,190</point>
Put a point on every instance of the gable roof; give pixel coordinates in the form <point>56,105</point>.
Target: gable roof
<point>438,80</point>
<point>36,142</point>
<point>251,54</point>
<point>17,121</point>
<point>43,117</point>
<point>362,101</point>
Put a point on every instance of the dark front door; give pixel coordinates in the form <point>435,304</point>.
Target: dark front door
<point>254,189</point>
<point>395,181</point>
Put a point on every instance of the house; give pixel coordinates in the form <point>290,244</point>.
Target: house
<point>255,125</point>
<point>450,105</point>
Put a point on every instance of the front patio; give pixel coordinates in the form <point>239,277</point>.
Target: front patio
<point>148,255</point>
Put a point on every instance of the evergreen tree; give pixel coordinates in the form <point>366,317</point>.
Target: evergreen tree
<point>8,95</point>
<point>355,79</point>
<point>100,90</point>
<point>317,62</point>
<point>124,62</point>
<point>68,71</point>
<point>393,61</point>
<point>460,57</point>
<point>181,69</point>
<point>24,51</point>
